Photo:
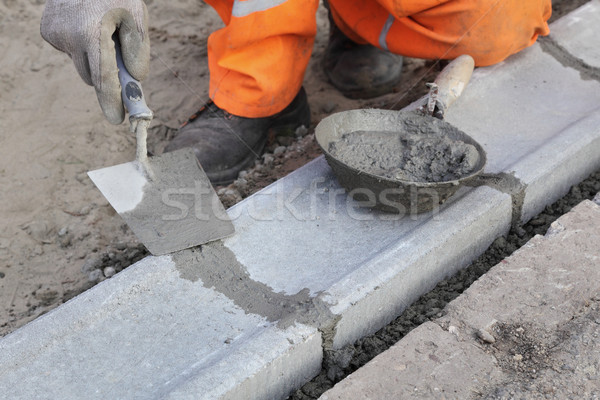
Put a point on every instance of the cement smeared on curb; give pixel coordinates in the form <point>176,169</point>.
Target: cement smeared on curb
<point>509,184</point>
<point>217,267</point>
<point>566,59</point>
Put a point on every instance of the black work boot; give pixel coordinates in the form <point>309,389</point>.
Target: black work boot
<point>226,144</point>
<point>359,71</point>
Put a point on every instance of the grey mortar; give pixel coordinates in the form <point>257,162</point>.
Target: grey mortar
<point>218,268</point>
<point>505,183</point>
<point>179,207</point>
<point>406,156</point>
<point>566,59</point>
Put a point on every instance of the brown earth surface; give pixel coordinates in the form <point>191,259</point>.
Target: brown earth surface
<point>57,229</point>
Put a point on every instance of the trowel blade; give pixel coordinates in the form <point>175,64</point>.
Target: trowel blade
<point>170,208</point>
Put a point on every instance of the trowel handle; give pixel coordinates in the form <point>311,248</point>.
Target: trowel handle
<point>131,90</point>
<point>452,80</point>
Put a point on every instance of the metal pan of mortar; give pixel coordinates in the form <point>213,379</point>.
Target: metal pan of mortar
<point>411,139</point>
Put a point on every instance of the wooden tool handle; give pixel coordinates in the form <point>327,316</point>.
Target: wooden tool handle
<point>452,80</point>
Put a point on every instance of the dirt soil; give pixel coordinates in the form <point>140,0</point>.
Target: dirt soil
<point>59,236</point>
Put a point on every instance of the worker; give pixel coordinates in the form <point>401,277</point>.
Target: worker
<point>258,59</point>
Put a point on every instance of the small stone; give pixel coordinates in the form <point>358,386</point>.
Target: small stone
<point>90,265</point>
<point>453,330</point>
<point>85,210</point>
<point>241,184</point>
<point>268,159</point>
<point>82,177</point>
<point>568,367</point>
<point>597,199</point>
<point>537,221</point>
<point>121,246</point>
<point>432,312</point>
<point>96,275</point>
<point>260,168</point>
<point>518,357</point>
<point>485,336</point>
<point>133,254</point>
<point>38,250</point>
<point>279,150</point>
<point>301,131</point>
<point>230,197</point>
<point>500,242</point>
<point>63,231</point>
<point>65,241</point>
<point>243,174</point>
<point>109,272</point>
<point>40,231</point>
<point>555,228</point>
<point>328,107</point>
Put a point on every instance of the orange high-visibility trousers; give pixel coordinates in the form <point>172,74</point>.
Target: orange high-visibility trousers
<point>257,61</point>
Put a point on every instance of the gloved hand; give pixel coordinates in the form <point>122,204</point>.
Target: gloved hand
<point>83,29</point>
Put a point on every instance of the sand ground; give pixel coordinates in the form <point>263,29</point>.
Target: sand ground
<point>52,132</point>
<point>53,219</point>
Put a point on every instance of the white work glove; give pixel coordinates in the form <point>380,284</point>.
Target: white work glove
<point>83,29</point>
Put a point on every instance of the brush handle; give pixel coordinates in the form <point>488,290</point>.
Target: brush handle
<point>131,90</point>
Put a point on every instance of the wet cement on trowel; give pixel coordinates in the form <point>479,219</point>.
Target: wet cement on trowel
<point>179,208</point>
<point>217,268</point>
<point>415,157</point>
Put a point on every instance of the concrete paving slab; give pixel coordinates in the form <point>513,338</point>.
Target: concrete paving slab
<point>307,266</point>
<point>152,333</point>
<point>545,282</point>
<point>538,310</point>
<point>428,363</point>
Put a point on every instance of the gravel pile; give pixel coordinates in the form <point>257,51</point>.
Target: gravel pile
<point>114,259</point>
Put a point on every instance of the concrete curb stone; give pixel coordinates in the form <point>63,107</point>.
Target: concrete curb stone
<point>511,334</point>
<point>149,333</point>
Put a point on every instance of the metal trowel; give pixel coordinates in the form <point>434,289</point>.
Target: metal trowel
<point>167,201</point>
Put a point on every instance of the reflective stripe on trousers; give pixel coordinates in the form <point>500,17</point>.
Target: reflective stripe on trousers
<point>384,32</point>
<point>245,8</point>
